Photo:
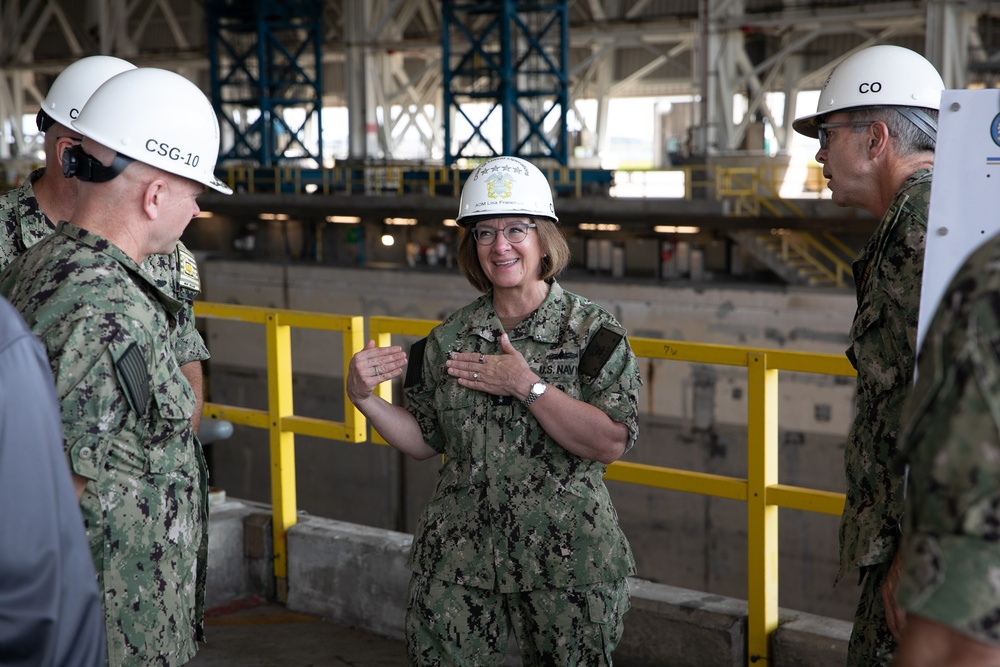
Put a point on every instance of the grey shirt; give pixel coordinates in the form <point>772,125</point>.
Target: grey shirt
<point>50,611</point>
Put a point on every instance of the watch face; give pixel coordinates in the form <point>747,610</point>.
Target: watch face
<point>536,390</point>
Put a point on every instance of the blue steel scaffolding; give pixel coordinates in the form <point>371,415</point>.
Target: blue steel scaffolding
<point>510,58</point>
<point>267,79</point>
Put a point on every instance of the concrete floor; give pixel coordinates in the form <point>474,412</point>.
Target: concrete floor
<point>257,634</point>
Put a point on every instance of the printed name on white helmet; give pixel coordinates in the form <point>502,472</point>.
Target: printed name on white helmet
<point>172,152</point>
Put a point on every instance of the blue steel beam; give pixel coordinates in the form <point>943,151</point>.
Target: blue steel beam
<point>266,58</point>
<point>513,56</point>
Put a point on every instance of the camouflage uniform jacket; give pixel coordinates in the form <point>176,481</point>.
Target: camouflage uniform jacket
<point>951,441</point>
<point>512,510</point>
<point>22,225</point>
<point>883,349</point>
<point>126,411</point>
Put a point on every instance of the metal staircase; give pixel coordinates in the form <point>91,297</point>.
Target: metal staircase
<point>799,258</point>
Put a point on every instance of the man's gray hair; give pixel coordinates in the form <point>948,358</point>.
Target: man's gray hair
<point>910,139</point>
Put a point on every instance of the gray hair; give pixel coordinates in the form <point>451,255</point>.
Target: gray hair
<point>910,139</point>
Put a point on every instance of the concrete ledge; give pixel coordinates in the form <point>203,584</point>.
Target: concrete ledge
<point>676,626</point>
<point>351,574</point>
<point>356,576</point>
<point>228,563</point>
<point>805,639</point>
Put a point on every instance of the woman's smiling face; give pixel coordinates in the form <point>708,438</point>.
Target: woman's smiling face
<point>510,265</point>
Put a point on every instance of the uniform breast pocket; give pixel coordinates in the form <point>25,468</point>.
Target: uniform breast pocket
<point>873,351</point>
<point>170,448</point>
<point>460,432</point>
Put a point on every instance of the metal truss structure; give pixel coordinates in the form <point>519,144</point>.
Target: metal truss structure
<point>265,58</point>
<point>382,59</point>
<point>513,57</point>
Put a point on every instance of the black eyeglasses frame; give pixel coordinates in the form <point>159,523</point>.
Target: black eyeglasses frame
<point>824,139</point>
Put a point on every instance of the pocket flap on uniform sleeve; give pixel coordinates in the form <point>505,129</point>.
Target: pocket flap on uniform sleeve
<point>84,455</point>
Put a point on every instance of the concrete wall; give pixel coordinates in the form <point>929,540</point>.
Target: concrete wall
<point>694,417</point>
<point>356,576</point>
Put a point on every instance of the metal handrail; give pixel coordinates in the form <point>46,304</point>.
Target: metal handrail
<point>760,489</point>
<point>435,181</point>
<point>280,419</point>
<point>744,186</point>
<point>847,251</point>
<point>804,243</point>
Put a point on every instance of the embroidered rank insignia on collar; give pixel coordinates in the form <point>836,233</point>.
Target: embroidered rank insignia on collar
<point>187,270</point>
<point>599,350</point>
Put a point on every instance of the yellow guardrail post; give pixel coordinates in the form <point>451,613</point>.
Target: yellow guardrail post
<point>279,418</point>
<point>279,400</point>
<point>762,518</point>
<point>355,423</point>
<point>380,329</point>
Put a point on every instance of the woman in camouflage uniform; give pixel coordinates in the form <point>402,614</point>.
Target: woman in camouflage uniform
<point>528,392</point>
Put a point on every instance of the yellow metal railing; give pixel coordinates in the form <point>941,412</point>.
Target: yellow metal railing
<point>280,418</point>
<point>381,329</point>
<point>760,489</point>
<point>751,189</point>
<point>807,244</point>
<point>389,180</point>
<point>756,189</point>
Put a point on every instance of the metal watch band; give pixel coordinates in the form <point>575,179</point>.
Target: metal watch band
<point>533,395</point>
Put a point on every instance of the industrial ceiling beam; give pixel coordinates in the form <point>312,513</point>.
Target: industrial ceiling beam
<point>617,48</point>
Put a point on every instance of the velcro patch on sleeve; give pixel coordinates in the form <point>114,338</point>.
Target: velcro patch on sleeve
<point>415,365</point>
<point>134,377</point>
<point>187,270</point>
<point>599,350</point>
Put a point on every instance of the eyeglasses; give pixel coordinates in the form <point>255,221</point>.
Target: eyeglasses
<point>513,233</point>
<point>77,162</point>
<point>824,136</point>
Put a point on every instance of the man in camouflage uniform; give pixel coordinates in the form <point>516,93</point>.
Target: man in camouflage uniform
<point>950,579</point>
<point>107,328</point>
<point>29,213</point>
<point>527,407</point>
<point>877,126</point>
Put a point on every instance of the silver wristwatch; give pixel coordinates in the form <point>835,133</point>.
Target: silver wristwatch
<point>537,389</point>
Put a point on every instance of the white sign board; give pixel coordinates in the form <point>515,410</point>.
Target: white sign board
<point>965,191</point>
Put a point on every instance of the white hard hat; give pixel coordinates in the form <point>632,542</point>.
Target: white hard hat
<point>876,77</point>
<point>74,86</point>
<point>159,118</point>
<point>505,186</point>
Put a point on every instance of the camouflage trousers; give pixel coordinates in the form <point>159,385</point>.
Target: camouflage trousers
<point>871,645</point>
<point>451,624</point>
